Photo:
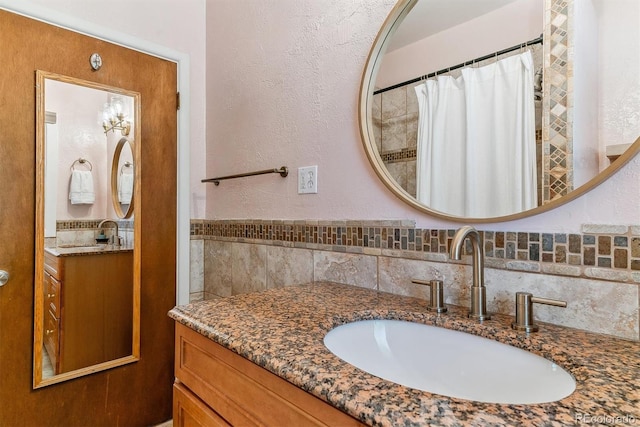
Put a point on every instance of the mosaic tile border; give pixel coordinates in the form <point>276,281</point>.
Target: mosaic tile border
<point>601,251</point>
<point>400,155</point>
<point>88,224</point>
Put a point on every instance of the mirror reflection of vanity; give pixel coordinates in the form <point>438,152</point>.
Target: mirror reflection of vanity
<point>86,281</point>
<point>584,69</point>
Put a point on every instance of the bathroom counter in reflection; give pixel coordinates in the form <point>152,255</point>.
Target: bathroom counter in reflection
<point>282,330</point>
<point>87,250</point>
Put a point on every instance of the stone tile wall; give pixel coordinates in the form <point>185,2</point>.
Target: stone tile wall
<point>597,271</point>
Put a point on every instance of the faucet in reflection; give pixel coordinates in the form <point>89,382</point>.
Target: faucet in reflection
<point>115,238</point>
<point>478,290</point>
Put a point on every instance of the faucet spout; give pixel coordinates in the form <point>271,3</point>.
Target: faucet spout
<point>116,236</point>
<point>478,308</point>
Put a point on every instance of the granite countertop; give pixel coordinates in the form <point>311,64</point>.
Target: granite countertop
<point>97,249</point>
<point>282,330</point>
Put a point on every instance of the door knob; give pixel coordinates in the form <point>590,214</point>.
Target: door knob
<point>4,277</point>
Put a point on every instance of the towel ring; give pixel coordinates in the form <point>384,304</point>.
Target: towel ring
<point>82,162</point>
<point>125,165</point>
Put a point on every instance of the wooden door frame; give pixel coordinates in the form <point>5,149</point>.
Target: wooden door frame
<point>71,23</point>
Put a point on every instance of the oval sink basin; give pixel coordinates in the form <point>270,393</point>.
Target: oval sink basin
<point>450,363</point>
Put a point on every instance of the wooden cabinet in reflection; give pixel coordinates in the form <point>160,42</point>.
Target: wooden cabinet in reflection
<point>88,309</point>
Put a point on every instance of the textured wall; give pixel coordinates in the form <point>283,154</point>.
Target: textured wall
<point>285,93</point>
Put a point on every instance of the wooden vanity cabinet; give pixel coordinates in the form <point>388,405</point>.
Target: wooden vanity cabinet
<point>216,387</point>
<point>51,315</point>
<point>88,309</point>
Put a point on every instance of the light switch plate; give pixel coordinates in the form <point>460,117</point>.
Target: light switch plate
<point>308,180</point>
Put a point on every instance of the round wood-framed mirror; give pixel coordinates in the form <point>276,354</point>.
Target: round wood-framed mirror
<point>123,178</point>
<point>562,69</point>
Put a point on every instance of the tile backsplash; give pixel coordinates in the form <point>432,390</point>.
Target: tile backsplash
<point>596,271</point>
<point>84,232</point>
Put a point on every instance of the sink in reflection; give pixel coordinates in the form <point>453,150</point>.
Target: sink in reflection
<point>448,362</point>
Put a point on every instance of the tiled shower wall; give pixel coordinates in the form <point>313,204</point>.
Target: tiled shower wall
<point>597,271</point>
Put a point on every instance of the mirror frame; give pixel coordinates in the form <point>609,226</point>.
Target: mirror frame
<point>365,102</point>
<point>38,380</point>
<point>114,179</point>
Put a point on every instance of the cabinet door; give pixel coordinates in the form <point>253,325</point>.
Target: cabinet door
<point>52,289</point>
<point>244,393</point>
<point>189,411</point>
<point>52,340</point>
<point>54,265</point>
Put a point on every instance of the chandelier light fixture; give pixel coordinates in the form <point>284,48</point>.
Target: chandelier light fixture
<point>113,117</point>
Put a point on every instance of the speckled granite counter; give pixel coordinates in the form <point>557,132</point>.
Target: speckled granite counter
<point>282,330</point>
<point>87,250</point>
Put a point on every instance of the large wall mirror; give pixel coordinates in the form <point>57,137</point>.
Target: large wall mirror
<point>485,111</point>
<point>87,278</point>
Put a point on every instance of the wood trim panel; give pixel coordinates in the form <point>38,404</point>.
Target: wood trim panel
<point>244,393</point>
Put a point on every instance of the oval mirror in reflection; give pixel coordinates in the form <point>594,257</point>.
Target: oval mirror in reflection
<point>484,111</point>
<point>87,285</point>
<point>122,178</point>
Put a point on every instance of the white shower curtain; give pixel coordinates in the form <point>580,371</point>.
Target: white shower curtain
<point>476,140</point>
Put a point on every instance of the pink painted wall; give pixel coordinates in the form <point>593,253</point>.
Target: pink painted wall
<point>586,151</point>
<point>79,135</point>
<point>606,84</point>
<point>619,68</point>
<point>285,93</point>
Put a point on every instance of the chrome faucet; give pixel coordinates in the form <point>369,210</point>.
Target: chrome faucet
<point>115,239</point>
<point>478,308</point>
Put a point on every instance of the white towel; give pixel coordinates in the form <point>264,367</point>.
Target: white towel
<point>81,188</point>
<point>125,188</point>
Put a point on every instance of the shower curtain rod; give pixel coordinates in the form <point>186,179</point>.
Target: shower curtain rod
<point>464,64</point>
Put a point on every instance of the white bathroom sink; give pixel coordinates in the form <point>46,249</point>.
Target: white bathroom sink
<point>448,362</point>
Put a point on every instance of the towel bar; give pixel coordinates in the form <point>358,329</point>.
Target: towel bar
<point>283,171</point>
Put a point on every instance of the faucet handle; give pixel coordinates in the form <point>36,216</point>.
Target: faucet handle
<point>437,294</point>
<point>524,310</point>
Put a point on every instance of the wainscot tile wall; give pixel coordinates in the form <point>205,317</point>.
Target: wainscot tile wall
<point>596,271</point>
